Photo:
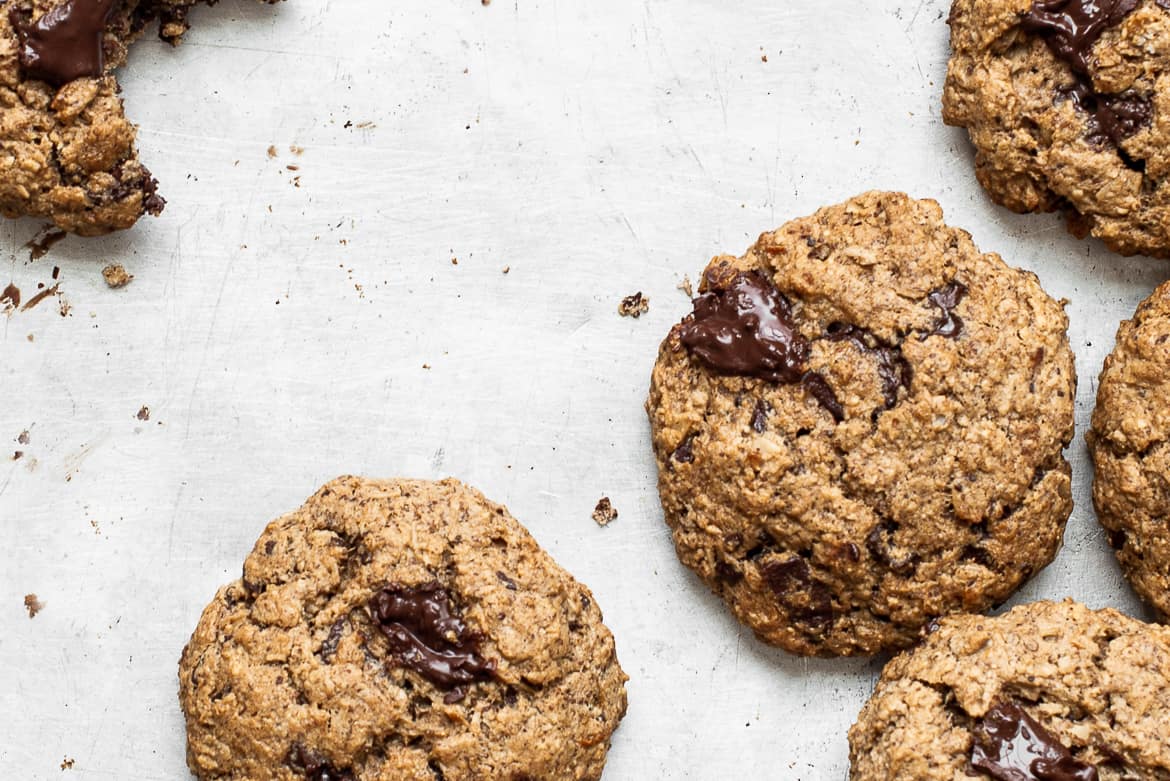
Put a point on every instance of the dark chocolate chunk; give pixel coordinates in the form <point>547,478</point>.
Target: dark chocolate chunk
<point>747,329</point>
<point>807,600</point>
<point>329,645</point>
<point>880,544</point>
<point>1109,117</point>
<point>893,370</point>
<point>760,416</point>
<point>315,767</point>
<point>684,453</point>
<point>946,298</point>
<point>817,387</point>
<point>65,43</point>
<point>1071,27</point>
<point>426,637</point>
<point>1012,746</point>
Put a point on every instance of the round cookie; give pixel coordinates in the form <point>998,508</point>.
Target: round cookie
<point>1049,691</point>
<point>400,630</point>
<point>1131,456</point>
<point>1067,103</point>
<point>861,427</point>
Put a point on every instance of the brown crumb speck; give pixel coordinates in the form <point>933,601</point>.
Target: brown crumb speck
<point>507,269</point>
<point>272,150</point>
<point>686,287</point>
<point>67,763</point>
<point>144,413</point>
<point>604,513</point>
<point>116,275</point>
<point>634,306</point>
<point>33,605</point>
<point>23,438</point>
<point>296,150</point>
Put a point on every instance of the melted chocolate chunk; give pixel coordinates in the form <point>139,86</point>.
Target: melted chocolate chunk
<point>807,600</point>
<point>1012,746</point>
<point>946,298</point>
<point>1071,27</point>
<point>1109,117</point>
<point>316,768</point>
<point>747,330</point>
<point>65,43</point>
<point>893,370</point>
<point>426,637</point>
<point>818,387</point>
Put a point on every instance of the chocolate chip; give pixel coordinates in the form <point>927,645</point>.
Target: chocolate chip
<point>893,370</point>
<point>1072,27</point>
<point>329,646</point>
<point>65,43</point>
<point>315,767</point>
<point>760,416</point>
<point>807,600</point>
<point>816,386</point>
<point>946,298</point>
<point>1109,117</point>
<point>684,453</point>
<point>747,329</point>
<point>507,581</point>
<point>880,544</point>
<point>727,572</point>
<point>1012,746</point>
<point>427,637</point>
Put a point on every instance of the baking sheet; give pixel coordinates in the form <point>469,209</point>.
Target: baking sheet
<point>287,326</point>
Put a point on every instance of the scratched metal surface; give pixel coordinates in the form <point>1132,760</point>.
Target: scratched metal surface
<point>285,327</point>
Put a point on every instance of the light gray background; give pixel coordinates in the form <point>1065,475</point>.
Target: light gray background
<point>280,334</point>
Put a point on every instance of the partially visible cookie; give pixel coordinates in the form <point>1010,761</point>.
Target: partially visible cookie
<point>1131,451</point>
<point>1068,105</point>
<point>861,427</point>
<point>400,630</point>
<point>1049,691</point>
<point>67,151</point>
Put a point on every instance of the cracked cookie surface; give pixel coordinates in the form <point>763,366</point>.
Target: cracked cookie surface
<point>1051,691</point>
<point>1131,455</point>
<point>861,427</point>
<point>67,151</point>
<point>400,630</point>
<point>1067,103</point>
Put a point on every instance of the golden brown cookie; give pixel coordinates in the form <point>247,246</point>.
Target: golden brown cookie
<point>1128,440</point>
<point>1049,691</point>
<point>1068,105</point>
<point>400,630</point>
<point>67,150</point>
<point>861,427</point>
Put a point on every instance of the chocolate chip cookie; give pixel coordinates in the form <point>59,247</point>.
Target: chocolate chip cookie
<point>67,151</point>
<point>1129,443</point>
<point>1049,691</point>
<point>1068,105</point>
<point>861,427</point>
<point>402,630</point>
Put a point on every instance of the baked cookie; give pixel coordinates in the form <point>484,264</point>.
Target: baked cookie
<point>67,151</point>
<point>860,427</point>
<point>1129,443</point>
<point>400,630</point>
<point>1068,105</point>
<point>1049,691</point>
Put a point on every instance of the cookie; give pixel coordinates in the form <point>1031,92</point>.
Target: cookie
<point>1131,456</point>
<point>861,427</point>
<point>67,151</point>
<point>1049,691</point>
<point>1067,103</point>
<point>402,630</point>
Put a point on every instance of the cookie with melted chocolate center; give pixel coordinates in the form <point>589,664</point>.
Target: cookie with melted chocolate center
<point>69,152</point>
<point>400,629</point>
<point>1047,692</point>
<point>1065,103</point>
<point>860,427</point>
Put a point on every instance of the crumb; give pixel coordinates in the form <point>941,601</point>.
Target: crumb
<point>604,513</point>
<point>64,306</point>
<point>144,413</point>
<point>23,438</point>
<point>292,167</point>
<point>31,338</point>
<point>10,298</point>
<point>426,366</point>
<point>454,261</point>
<point>97,529</point>
<point>116,275</point>
<point>763,58</point>
<point>487,2</point>
<point>33,605</point>
<point>296,150</point>
<point>507,269</point>
<point>272,150</point>
<point>17,455</point>
<point>634,306</point>
<point>685,286</point>
<point>67,763</point>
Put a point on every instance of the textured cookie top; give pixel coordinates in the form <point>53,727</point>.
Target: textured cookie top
<point>400,630</point>
<point>68,150</point>
<point>1128,440</point>
<point>1066,103</point>
<point>861,427</point>
<point>1049,691</point>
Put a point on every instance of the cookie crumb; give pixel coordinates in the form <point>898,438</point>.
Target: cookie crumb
<point>272,150</point>
<point>507,269</point>
<point>144,413</point>
<point>296,150</point>
<point>116,276</point>
<point>23,438</point>
<point>33,605</point>
<point>604,513</point>
<point>686,287</point>
<point>634,306</point>
<point>67,763</point>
